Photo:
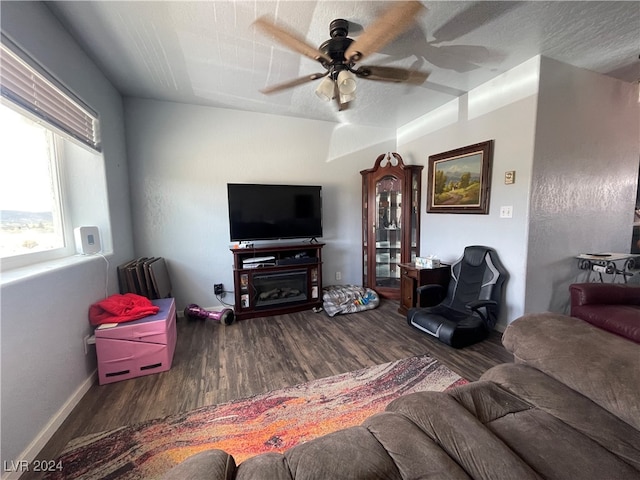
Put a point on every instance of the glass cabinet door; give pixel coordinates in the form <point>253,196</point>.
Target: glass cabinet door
<point>415,212</point>
<point>365,230</point>
<point>388,231</point>
<point>390,222</point>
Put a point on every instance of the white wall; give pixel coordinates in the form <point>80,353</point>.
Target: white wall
<point>585,173</point>
<point>44,315</point>
<point>183,156</point>
<point>503,110</point>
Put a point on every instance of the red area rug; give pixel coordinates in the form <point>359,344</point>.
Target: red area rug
<point>269,422</point>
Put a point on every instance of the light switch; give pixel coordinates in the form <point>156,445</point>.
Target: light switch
<point>506,211</point>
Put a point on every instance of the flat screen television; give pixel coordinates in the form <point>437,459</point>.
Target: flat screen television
<point>270,212</point>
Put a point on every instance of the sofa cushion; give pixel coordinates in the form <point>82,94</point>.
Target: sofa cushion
<point>415,454</point>
<point>578,412</point>
<point>599,365</point>
<point>604,294</point>
<point>536,437</point>
<point>623,320</point>
<point>461,435</point>
<point>345,454</point>
<point>208,464</point>
<point>613,307</point>
<point>267,465</point>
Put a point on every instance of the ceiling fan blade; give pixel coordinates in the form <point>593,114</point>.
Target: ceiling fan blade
<point>291,40</point>
<point>392,74</point>
<point>293,83</point>
<point>385,28</point>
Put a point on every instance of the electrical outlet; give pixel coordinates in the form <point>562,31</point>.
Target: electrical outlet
<point>218,289</point>
<point>338,275</point>
<point>85,343</point>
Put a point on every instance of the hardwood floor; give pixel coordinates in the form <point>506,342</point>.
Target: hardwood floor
<point>214,363</point>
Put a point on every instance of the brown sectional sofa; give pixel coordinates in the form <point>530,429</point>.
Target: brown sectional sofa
<point>568,408</point>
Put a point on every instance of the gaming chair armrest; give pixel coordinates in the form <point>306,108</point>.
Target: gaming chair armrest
<point>431,294</point>
<point>477,305</point>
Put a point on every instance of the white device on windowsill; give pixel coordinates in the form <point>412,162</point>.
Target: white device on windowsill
<point>87,240</point>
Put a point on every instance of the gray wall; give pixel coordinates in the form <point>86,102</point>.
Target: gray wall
<point>44,314</point>
<point>585,173</point>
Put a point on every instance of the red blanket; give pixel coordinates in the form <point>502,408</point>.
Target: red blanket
<point>121,308</point>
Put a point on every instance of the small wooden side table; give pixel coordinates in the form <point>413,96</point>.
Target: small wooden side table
<point>412,277</point>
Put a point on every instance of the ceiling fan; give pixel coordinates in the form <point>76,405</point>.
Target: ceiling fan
<point>339,54</point>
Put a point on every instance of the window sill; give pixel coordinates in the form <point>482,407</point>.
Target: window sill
<point>20,274</point>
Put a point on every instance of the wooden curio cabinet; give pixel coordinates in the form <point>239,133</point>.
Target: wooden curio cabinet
<point>390,222</point>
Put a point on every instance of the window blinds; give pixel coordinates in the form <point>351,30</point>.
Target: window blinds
<point>23,85</point>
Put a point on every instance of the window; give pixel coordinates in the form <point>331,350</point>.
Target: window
<point>51,169</point>
<point>30,199</point>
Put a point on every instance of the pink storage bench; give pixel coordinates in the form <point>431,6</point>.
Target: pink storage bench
<point>137,348</point>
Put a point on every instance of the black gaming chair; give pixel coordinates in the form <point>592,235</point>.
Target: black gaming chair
<point>470,308</point>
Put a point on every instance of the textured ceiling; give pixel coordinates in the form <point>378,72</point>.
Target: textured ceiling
<point>208,53</point>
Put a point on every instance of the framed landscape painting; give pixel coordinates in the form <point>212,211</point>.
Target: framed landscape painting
<point>459,180</point>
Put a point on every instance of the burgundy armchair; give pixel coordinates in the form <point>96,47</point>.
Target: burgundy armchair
<point>614,307</point>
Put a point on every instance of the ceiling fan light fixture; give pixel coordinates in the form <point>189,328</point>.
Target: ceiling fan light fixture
<point>346,82</point>
<point>326,89</point>
<point>346,98</point>
<point>339,54</point>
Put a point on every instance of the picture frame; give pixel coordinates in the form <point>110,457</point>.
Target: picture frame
<point>459,181</point>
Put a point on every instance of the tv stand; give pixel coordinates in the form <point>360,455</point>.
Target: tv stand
<point>277,279</point>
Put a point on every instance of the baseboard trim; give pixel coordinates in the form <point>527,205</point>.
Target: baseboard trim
<point>30,453</point>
